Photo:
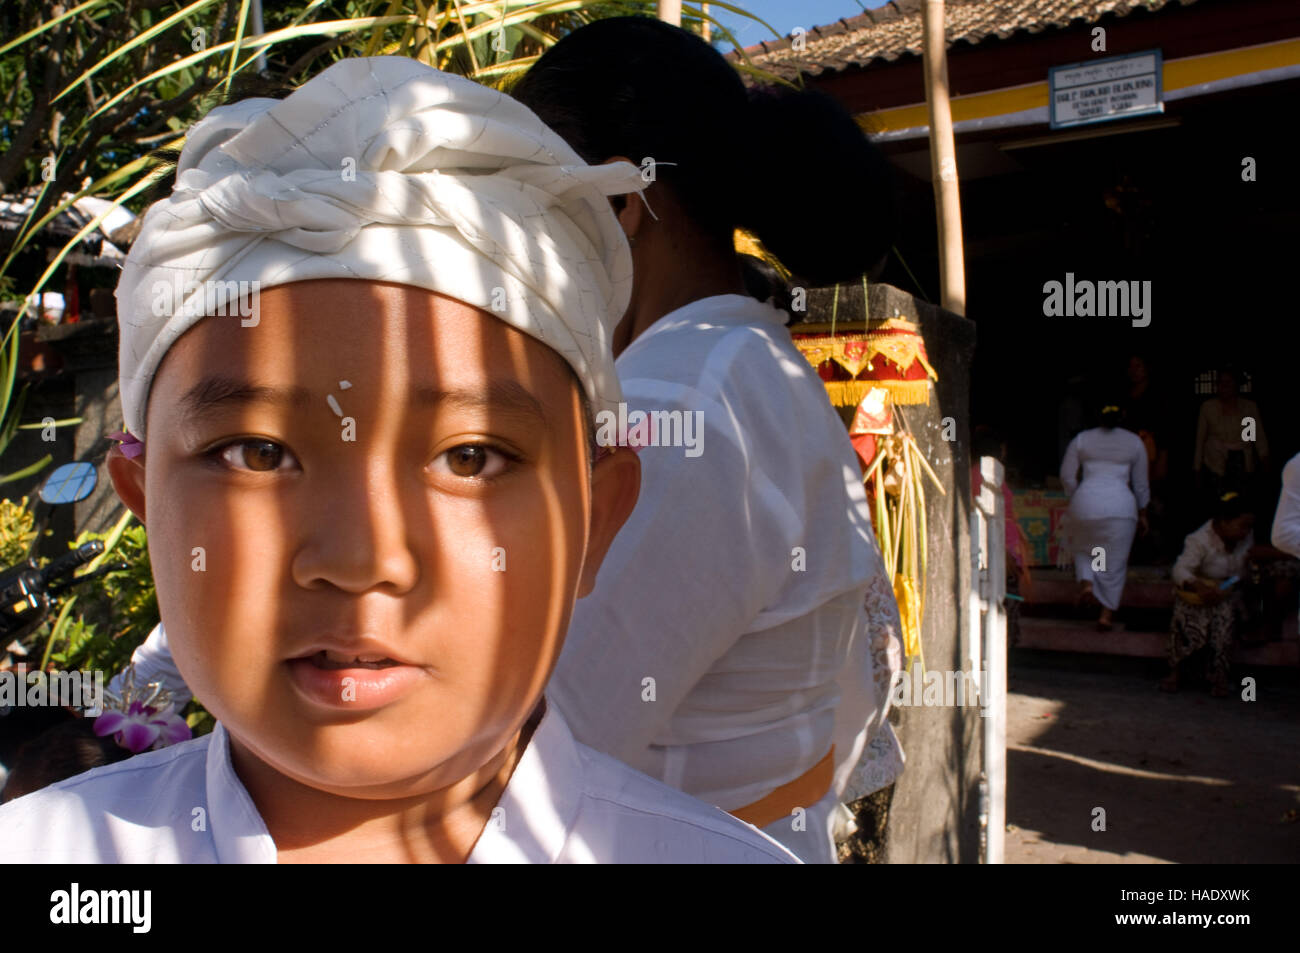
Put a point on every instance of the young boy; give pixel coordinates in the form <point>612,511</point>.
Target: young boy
<point>370,494</point>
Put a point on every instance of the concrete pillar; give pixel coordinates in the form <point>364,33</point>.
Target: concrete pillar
<point>933,817</point>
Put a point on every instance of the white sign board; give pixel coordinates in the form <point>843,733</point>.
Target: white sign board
<point>1101,90</point>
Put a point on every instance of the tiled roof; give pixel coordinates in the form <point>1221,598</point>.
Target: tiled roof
<point>894,30</point>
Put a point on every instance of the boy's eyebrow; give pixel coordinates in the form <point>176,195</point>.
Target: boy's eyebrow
<point>210,393</point>
<point>505,397</point>
<point>499,397</point>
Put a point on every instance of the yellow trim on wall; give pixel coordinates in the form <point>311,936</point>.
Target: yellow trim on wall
<point>1178,74</point>
<point>996,102</point>
<point>1194,70</point>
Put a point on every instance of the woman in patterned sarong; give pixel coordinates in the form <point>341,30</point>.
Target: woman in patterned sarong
<point>1209,608</point>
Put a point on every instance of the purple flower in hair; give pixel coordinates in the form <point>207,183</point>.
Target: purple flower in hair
<point>131,445</point>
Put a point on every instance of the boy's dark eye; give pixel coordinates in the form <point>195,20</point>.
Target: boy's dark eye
<point>260,456</point>
<point>473,461</point>
<point>467,461</point>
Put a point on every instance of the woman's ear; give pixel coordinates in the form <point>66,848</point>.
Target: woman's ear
<point>127,474</point>
<point>630,208</point>
<point>615,486</point>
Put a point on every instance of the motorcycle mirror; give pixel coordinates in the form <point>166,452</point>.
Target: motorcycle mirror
<point>69,483</point>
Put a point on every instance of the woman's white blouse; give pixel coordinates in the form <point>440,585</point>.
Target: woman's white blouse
<point>1204,554</point>
<point>1286,522</point>
<point>711,652</point>
<point>564,804</point>
<point>1113,461</point>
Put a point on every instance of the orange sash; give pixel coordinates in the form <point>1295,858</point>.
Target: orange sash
<point>804,791</point>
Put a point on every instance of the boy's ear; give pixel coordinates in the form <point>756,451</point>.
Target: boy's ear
<point>615,486</point>
<point>127,474</point>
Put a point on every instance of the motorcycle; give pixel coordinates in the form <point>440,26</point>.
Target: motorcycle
<point>28,593</point>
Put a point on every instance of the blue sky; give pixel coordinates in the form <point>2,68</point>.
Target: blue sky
<point>785,15</point>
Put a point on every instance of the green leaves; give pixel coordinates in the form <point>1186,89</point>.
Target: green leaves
<point>142,38</point>
<point>17,530</point>
<point>115,615</point>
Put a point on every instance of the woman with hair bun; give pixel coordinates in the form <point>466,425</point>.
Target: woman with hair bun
<point>1209,579</point>
<point>1107,507</point>
<point>728,646</point>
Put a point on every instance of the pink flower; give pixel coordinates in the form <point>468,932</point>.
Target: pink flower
<point>143,726</point>
<point>130,444</point>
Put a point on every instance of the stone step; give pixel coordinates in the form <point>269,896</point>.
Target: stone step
<point>1146,588</point>
<point>1067,635</point>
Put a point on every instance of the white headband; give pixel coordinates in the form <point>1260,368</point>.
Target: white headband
<point>386,169</point>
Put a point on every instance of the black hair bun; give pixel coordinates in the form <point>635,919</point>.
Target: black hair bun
<point>819,194</point>
<point>763,282</point>
<point>1231,505</point>
<point>790,165</point>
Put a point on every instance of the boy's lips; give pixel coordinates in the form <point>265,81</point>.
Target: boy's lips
<point>337,660</point>
<point>358,678</point>
<point>359,653</point>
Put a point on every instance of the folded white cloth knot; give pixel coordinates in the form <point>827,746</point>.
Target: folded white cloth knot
<point>386,169</point>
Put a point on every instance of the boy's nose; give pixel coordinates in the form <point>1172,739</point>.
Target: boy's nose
<point>358,537</point>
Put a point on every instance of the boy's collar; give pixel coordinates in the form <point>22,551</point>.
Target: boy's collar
<point>532,821</point>
<point>239,835</point>
<point>529,825</point>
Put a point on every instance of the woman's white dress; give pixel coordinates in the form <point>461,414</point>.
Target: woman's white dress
<point>728,640</point>
<point>1104,506</point>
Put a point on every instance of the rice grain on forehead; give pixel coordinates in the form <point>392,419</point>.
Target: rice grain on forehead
<point>386,169</point>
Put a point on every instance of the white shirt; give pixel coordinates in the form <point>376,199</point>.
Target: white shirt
<point>738,582</point>
<point>1286,522</point>
<point>564,803</point>
<point>1204,554</point>
<point>1113,460</point>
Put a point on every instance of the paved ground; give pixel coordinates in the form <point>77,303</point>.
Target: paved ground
<point>1182,778</point>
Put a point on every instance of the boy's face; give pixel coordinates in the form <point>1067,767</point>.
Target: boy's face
<point>431,514</point>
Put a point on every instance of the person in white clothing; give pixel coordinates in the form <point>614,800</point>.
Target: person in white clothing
<point>1209,578</point>
<point>358,601</point>
<point>1286,528</point>
<point>1107,507</point>
<point>727,649</point>
<point>563,804</point>
<point>1286,521</point>
<point>733,642</point>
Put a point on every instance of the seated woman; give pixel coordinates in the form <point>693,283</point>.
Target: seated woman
<point>1210,576</point>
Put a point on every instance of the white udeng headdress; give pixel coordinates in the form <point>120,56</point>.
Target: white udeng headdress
<point>387,169</point>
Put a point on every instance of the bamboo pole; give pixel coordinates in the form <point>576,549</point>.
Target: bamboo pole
<point>943,161</point>
<point>258,28</point>
<point>670,11</point>
<point>705,32</point>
